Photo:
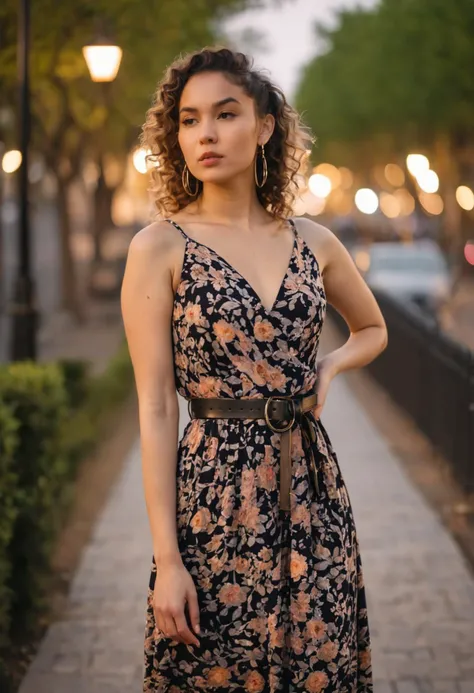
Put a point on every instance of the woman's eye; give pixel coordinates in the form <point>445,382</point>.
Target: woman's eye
<point>187,121</point>
<point>227,113</point>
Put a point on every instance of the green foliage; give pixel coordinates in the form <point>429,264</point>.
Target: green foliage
<point>51,415</point>
<point>402,69</point>
<point>75,376</point>
<point>65,98</point>
<point>36,397</point>
<point>82,428</point>
<point>8,510</point>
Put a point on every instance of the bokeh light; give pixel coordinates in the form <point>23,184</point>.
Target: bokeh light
<point>320,185</point>
<point>428,181</point>
<point>390,205</point>
<point>140,161</point>
<point>407,201</point>
<point>366,201</point>
<point>465,197</point>
<point>103,62</point>
<point>394,174</point>
<point>314,205</point>
<point>417,164</point>
<point>432,203</point>
<point>331,172</point>
<point>469,252</point>
<point>11,161</point>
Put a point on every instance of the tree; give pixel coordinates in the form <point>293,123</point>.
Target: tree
<point>394,78</point>
<point>69,116</point>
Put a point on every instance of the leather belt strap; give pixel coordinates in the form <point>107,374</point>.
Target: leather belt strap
<point>284,409</point>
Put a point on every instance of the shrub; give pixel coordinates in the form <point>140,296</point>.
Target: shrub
<point>8,512</point>
<point>36,397</point>
<point>51,415</point>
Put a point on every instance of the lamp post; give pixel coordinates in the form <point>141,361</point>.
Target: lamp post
<point>103,59</point>
<point>22,308</point>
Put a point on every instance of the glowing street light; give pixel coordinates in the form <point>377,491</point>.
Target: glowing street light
<point>417,164</point>
<point>428,181</point>
<point>465,197</point>
<point>331,172</point>
<point>366,201</point>
<point>319,185</point>
<point>140,161</point>
<point>103,61</point>
<point>11,161</point>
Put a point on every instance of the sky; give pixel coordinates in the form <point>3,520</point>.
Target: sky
<point>289,34</point>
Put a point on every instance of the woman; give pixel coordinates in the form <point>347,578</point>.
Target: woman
<point>225,303</point>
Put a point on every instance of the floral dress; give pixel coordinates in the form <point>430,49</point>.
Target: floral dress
<point>281,593</point>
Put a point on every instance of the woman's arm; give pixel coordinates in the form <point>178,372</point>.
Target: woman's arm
<point>347,291</point>
<point>147,304</point>
<point>147,309</point>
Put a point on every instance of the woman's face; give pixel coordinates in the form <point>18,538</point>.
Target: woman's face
<point>217,116</point>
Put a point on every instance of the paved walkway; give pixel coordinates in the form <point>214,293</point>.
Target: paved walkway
<point>419,589</point>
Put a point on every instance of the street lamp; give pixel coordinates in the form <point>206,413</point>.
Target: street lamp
<point>22,309</point>
<point>103,60</point>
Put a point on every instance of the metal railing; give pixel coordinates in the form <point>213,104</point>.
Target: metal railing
<point>431,377</point>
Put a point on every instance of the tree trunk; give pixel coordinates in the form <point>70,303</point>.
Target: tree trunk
<point>69,287</point>
<point>2,254</point>
<point>97,225</point>
<point>102,213</point>
<point>448,172</point>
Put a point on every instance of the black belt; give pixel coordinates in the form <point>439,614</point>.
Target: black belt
<point>286,409</point>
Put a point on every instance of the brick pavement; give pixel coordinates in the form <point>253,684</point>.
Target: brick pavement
<point>420,591</point>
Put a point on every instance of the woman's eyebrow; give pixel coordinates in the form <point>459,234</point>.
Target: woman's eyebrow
<point>222,102</point>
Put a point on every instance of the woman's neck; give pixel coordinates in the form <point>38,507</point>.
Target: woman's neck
<point>237,204</point>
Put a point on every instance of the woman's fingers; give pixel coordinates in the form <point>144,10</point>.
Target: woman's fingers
<point>193,608</point>
<point>183,632</point>
<point>172,623</point>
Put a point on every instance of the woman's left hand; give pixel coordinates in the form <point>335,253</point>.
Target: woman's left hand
<point>326,371</point>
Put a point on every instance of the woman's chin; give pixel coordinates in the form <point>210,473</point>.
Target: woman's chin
<point>217,178</point>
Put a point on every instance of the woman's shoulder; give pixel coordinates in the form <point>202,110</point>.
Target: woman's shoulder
<point>155,239</point>
<point>311,229</point>
<point>321,240</point>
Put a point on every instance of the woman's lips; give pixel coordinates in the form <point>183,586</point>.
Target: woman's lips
<point>211,160</point>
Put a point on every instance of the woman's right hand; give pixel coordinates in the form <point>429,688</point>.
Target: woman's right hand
<point>174,587</point>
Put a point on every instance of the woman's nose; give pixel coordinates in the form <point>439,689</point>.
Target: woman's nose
<point>208,132</point>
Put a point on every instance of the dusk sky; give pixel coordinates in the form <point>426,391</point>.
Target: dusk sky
<point>289,34</point>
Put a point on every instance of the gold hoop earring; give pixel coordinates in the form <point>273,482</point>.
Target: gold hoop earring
<point>185,182</point>
<point>264,168</point>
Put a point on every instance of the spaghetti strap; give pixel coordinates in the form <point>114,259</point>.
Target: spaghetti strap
<point>186,237</point>
<point>293,226</point>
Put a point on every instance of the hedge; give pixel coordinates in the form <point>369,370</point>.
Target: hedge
<point>51,416</point>
<point>8,510</point>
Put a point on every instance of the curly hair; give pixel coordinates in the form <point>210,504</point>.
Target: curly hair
<point>286,150</point>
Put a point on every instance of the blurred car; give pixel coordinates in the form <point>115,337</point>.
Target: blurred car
<point>415,272</point>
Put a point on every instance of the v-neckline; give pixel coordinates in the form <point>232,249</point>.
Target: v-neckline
<point>244,279</point>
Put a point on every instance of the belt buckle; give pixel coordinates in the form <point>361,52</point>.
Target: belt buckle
<point>267,419</point>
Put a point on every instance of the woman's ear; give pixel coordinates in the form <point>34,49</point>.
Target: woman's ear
<point>266,129</point>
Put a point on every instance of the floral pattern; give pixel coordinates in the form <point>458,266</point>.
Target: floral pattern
<point>281,594</point>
